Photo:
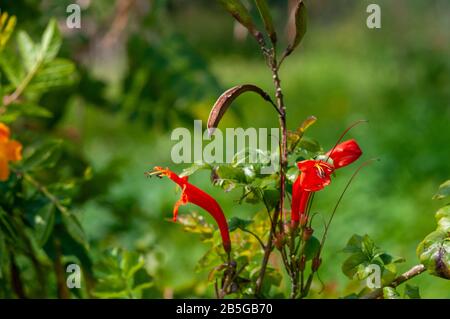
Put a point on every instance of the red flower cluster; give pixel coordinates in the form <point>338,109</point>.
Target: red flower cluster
<point>194,195</point>
<point>315,175</point>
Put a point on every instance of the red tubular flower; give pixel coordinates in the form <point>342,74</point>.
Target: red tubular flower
<point>196,196</point>
<point>345,153</point>
<point>315,175</point>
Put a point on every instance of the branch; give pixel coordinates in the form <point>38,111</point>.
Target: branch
<point>413,272</point>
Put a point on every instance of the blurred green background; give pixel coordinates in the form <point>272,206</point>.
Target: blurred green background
<point>147,67</point>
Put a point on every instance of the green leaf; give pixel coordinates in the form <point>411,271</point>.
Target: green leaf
<point>50,42</point>
<point>443,191</point>
<point>390,293</point>
<point>235,223</point>
<point>434,250</point>
<point>227,176</point>
<point>312,248</point>
<point>264,11</point>
<point>434,253</point>
<point>74,228</point>
<point>241,14</point>
<point>29,109</point>
<point>27,50</point>
<point>13,67</point>
<point>352,264</point>
<point>57,73</point>
<point>300,21</point>
<point>121,274</point>
<point>45,156</point>
<point>44,221</point>
<point>443,219</point>
<point>194,168</point>
<point>411,292</point>
<point>310,145</point>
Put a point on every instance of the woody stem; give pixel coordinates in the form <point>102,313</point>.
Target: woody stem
<point>283,161</point>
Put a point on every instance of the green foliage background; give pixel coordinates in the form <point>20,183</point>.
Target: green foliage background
<point>168,66</point>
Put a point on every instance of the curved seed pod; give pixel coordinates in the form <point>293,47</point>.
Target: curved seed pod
<point>264,11</point>
<point>224,101</point>
<point>300,21</point>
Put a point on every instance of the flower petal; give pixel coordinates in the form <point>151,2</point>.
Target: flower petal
<point>345,153</point>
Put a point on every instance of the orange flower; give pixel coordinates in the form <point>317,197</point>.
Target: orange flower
<point>9,151</point>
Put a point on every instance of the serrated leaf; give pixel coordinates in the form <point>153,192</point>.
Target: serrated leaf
<point>235,223</point>
<point>224,101</point>
<point>300,21</point>
<point>264,11</point>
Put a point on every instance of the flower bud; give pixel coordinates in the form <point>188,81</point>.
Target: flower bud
<point>307,233</point>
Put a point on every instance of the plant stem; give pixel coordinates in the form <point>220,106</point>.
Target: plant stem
<point>16,281</point>
<point>413,272</point>
<point>283,160</point>
<point>62,290</point>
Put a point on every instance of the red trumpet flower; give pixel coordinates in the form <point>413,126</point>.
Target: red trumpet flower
<point>194,195</point>
<point>345,153</point>
<point>315,175</point>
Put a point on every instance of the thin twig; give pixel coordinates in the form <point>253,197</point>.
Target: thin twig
<point>413,272</point>
<point>256,236</point>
